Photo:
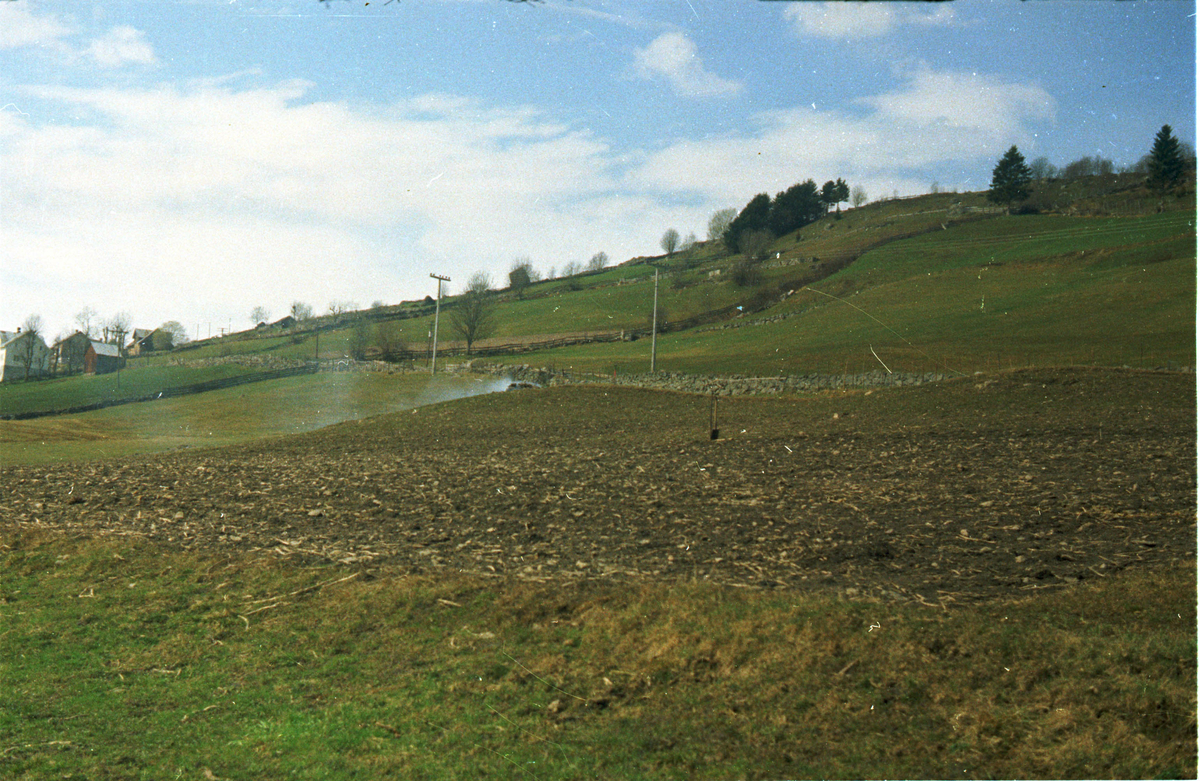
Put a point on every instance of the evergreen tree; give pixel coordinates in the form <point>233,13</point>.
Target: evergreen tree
<point>1010,179</point>
<point>752,217</point>
<point>829,194</point>
<point>1166,160</point>
<point>843,193</point>
<point>795,207</point>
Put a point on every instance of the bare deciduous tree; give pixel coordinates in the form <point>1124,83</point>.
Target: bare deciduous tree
<point>175,330</point>
<point>859,196</point>
<point>473,316</point>
<point>116,328</point>
<point>598,261</point>
<point>719,223</point>
<point>387,339</point>
<point>260,314</point>
<point>85,320</point>
<point>300,311</point>
<point>522,276</point>
<point>670,241</point>
<point>28,350</point>
<point>755,244</point>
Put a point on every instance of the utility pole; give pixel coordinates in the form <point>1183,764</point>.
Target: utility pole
<point>437,310</point>
<point>654,325</point>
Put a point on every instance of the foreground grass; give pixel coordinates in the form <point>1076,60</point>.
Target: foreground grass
<point>223,417</point>
<point>120,661</point>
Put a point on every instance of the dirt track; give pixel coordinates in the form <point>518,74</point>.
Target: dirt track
<point>948,494</point>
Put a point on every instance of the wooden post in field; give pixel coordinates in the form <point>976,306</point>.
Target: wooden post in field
<point>437,310</point>
<point>654,325</point>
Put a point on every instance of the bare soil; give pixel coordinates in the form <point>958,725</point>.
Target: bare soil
<point>973,489</point>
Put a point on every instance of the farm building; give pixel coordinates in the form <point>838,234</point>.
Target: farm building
<point>101,358</point>
<point>22,355</point>
<point>147,340</point>
<point>71,351</point>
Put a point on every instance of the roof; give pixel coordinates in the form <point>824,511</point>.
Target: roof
<point>8,337</point>
<point>141,333</point>
<point>109,350</point>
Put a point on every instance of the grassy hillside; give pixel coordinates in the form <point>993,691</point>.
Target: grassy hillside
<point>1013,291</point>
<point>939,282</point>
<point>241,414</point>
<point>136,381</point>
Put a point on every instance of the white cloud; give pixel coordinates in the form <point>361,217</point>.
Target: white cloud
<point>19,27</point>
<point>933,119</point>
<point>851,20</point>
<point>201,202</point>
<point>121,45</point>
<point>674,56</point>
<point>174,202</point>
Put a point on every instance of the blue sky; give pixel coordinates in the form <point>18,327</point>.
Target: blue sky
<point>192,159</point>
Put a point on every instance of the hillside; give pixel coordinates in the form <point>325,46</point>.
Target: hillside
<point>941,281</point>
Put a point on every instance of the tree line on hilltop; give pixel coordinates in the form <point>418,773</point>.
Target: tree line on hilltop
<point>1164,167</point>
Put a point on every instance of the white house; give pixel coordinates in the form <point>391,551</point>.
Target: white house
<point>15,358</point>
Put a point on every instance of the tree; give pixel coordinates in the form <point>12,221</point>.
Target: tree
<point>259,314</point>
<point>1010,179</point>
<point>1086,166</point>
<point>598,261</point>
<point>1041,168</point>
<point>670,241</point>
<point>1166,161</point>
<point>753,216</point>
<point>859,196</point>
<point>572,268</point>
<point>360,339</point>
<point>796,207</point>
<point>84,320</point>
<point>387,339</point>
<point>300,311</point>
<point>688,242</point>
<point>828,194</point>
<point>473,315</point>
<point>755,244</point>
<point>521,276</point>
<point>176,332</point>
<point>115,329</point>
<point>28,351</point>
<point>745,273</point>
<point>842,193</point>
<point>718,223</point>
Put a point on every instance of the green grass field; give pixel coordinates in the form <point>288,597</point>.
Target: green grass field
<point>136,381</point>
<point>121,661</point>
<point>223,417</point>
<point>996,294</point>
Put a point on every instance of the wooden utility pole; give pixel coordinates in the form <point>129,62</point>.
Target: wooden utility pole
<point>437,310</point>
<point>654,325</point>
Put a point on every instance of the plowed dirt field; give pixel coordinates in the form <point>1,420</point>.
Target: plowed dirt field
<point>945,494</point>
